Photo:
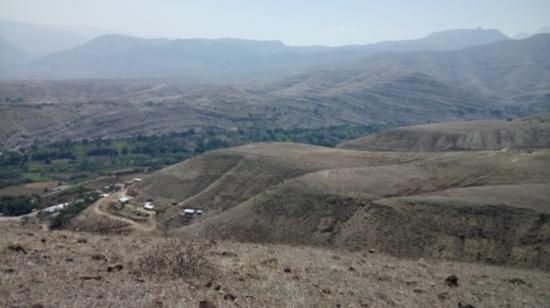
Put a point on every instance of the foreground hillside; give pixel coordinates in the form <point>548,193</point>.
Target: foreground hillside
<point>68,269</point>
<point>530,132</point>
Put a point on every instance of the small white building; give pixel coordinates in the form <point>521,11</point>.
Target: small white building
<point>189,212</point>
<point>149,206</point>
<point>124,200</point>
<point>55,208</point>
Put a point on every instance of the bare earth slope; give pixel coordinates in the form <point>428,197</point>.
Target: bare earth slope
<point>406,204</point>
<point>531,132</point>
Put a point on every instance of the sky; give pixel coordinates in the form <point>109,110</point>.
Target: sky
<point>295,22</point>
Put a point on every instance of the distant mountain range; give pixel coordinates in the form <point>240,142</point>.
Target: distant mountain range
<point>11,56</point>
<point>37,40</point>
<point>119,56</point>
<point>496,80</point>
<point>524,35</point>
<point>154,86</point>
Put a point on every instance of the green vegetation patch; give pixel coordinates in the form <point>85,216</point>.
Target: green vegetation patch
<point>16,206</point>
<point>78,161</point>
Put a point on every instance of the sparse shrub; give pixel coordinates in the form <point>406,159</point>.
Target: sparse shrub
<point>178,258</point>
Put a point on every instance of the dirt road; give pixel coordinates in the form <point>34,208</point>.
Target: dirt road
<point>114,198</point>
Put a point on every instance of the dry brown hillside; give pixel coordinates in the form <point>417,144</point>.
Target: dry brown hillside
<point>76,269</point>
<point>533,132</point>
<point>447,205</point>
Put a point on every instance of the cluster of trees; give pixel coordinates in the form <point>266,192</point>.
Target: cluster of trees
<point>84,199</point>
<point>16,206</point>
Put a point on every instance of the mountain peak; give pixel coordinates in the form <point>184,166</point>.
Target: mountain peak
<point>486,35</point>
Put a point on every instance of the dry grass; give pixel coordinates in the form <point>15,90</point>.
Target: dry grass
<point>63,271</point>
<point>177,258</point>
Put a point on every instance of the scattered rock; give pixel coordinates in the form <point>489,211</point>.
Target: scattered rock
<point>91,278</point>
<point>69,260</point>
<point>326,224</point>
<point>17,248</point>
<point>418,291</point>
<point>351,269</point>
<point>218,287</point>
<point>209,283</point>
<point>460,305</point>
<point>37,306</point>
<point>43,240</point>
<point>9,270</point>
<point>411,283</point>
<point>229,297</point>
<point>372,250</point>
<point>452,281</point>
<point>229,254</point>
<point>270,261</point>
<point>443,295</point>
<point>29,234</point>
<point>82,241</point>
<point>517,281</point>
<point>115,268</point>
<point>206,304</point>
<point>326,291</point>
<point>287,269</point>
<point>99,257</point>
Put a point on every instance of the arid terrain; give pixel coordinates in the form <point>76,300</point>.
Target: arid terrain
<point>402,88</point>
<point>68,269</point>
<point>530,132</point>
<point>302,226</point>
<point>179,171</point>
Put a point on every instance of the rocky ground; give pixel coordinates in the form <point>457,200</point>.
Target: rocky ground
<point>77,269</point>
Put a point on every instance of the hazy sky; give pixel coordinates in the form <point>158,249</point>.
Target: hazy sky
<point>295,22</point>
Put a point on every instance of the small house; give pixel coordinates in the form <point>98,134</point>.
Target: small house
<point>189,212</point>
<point>55,208</point>
<point>124,200</point>
<point>149,206</point>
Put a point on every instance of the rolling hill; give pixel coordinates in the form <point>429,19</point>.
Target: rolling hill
<point>444,205</point>
<point>531,132</point>
<point>455,205</point>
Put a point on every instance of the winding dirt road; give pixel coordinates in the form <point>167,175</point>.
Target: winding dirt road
<point>114,198</point>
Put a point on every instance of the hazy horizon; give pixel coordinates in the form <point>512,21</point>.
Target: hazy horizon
<point>322,23</point>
